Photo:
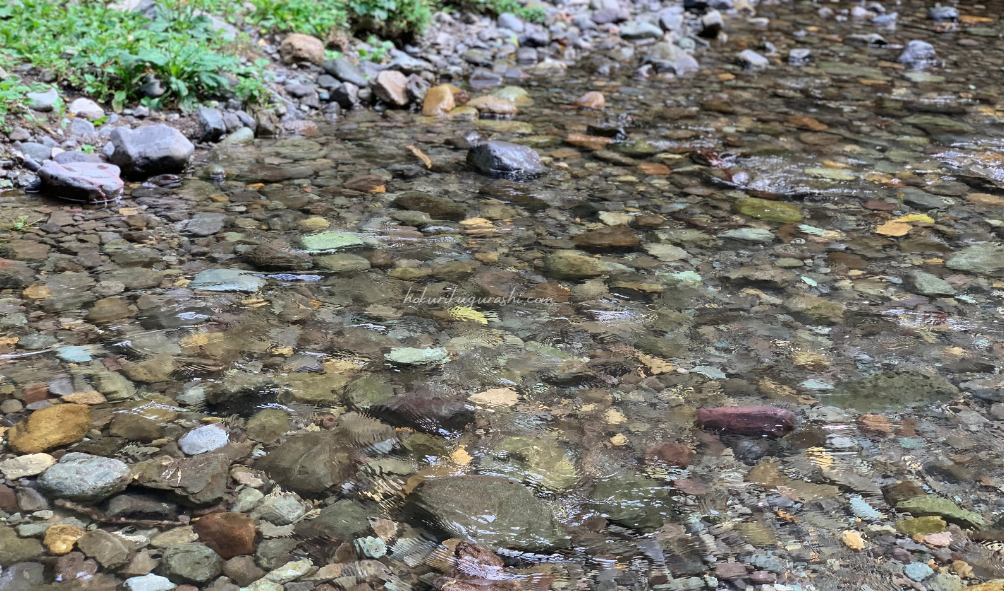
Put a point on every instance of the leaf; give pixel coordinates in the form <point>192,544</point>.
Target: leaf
<point>915,217</point>
<point>893,229</point>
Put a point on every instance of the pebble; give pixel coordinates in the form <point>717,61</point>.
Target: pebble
<point>204,439</point>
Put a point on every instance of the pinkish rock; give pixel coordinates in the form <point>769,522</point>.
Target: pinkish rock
<point>730,570</point>
<point>81,181</point>
<point>748,420</point>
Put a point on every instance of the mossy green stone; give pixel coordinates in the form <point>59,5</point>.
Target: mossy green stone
<point>930,524</point>
<point>770,211</point>
<point>368,391</point>
<point>934,505</point>
<point>268,425</point>
<point>937,124</point>
<point>894,390</point>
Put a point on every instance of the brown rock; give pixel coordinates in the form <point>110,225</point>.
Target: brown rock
<point>228,534</point>
<point>8,500</point>
<point>672,454</point>
<point>492,105</point>
<point>438,101</point>
<point>50,428</point>
<point>243,570</point>
<point>900,491</point>
<point>592,100</point>
<point>110,310</point>
<point>875,423</point>
<point>608,238</point>
<point>302,48</point>
<point>390,87</point>
<point>156,368</point>
<point>108,549</point>
<point>806,122</point>
<point>590,142</point>
<point>75,566</point>
<point>748,420</point>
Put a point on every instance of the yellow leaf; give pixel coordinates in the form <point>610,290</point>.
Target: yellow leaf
<point>465,313</point>
<point>421,156</point>
<point>893,229</point>
<point>128,211</point>
<point>460,456</point>
<point>916,217</point>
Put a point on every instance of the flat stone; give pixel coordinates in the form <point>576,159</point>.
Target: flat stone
<point>26,465</point>
<point>150,582</point>
<point>504,159</point>
<point>415,356</point>
<point>50,428</point>
<point>204,439</point>
<point>81,181</point>
<point>191,563</point>
<point>331,240</point>
<point>227,280</point>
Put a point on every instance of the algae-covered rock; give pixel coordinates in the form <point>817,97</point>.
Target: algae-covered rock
<point>892,390</point>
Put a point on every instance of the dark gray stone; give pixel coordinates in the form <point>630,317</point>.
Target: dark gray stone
<point>505,159</point>
<point>39,152</point>
<point>150,151</point>
<point>918,55</point>
<point>345,71</point>
<point>23,576</point>
<point>211,123</point>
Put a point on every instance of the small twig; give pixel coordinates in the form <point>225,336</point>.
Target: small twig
<point>98,515</point>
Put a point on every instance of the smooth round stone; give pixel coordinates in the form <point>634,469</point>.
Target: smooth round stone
<point>203,439</point>
<point>83,477</point>
<point>150,582</point>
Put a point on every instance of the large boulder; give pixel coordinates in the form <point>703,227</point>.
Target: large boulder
<point>81,181</point>
<point>505,159</point>
<point>150,151</point>
<point>497,512</point>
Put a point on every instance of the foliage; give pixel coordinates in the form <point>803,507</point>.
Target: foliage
<point>392,18</point>
<point>533,13</point>
<point>107,52</point>
<point>22,224</point>
<point>12,93</point>
<point>313,17</point>
<point>377,50</point>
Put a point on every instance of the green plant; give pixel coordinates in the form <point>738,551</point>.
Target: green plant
<point>12,93</point>
<point>392,18</point>
<point>313,17</point>
<point>378,50</point>
<point>107,52</point>
<point>22,224</point>
<point>533,13</point>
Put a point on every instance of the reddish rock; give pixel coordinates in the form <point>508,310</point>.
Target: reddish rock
<point>748,420</point>
<point>673,454</point>
<point>228,534</point>
<point>75,565</point>
<point>730,570</point>
<point>35,393</point>
<point>8,500</point>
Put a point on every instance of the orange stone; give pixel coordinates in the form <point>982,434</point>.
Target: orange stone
<point>654,168</point>
<point>590,142</point>
<point>805,122</point>
<point>438,101</point>
<point>592,100</point>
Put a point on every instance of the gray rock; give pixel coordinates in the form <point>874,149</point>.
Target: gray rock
<point>327,81</point>
<point>212,124</point>
<point>918,55</point>
<point>345,71</point>
<point>346,95</point>
<point>311,462</point>
<point>712,24</point>
<point>981,259</point>
<point>632,501</point>
<point>205,224</point>
<point>498,158</point>
<point>152,87</point>
<point>19,134</point>
<point>203,439</point>
<point>927,284</point>
<point>81,127</point>
<point>508,20</point>
<point>640,30</point>
<point>74,156</point>
<point>192,563</point>
<point>281,509</point>
<point>526,55</point>
<point>227,280</point>
<point>752,60</point>
<point>242,136</point>
<point>232,122</point>
<point>800,56</point>
<point>497,512</point>
<point>83,477</point>
<point>610,16</point>
<point>343,520</point>
<point>482,79</point>
<point>390,86</point>
<point>40,152</point>
<point>81,181</point>
<point>941,13</point>
<point>23,576</point>
<point>149,151</point>
<point>671,19</point>
<point>43,102</point>
<point>86,108</point>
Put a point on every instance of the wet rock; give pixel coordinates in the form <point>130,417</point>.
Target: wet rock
<point>81,181</point>
<point>928,505</point>
<point>149,151</point>
<point>228,534</point>
<point>748,420</point>
<point>490,105</point>
<point>23,576</point>
<point>298,47</point>
<point>85,478</point>
<point>631,501</point>
<point>608,238</point>
<point>140,506</point>
<point>390,86</point>
<point>814,309</point>
<point>343,520</point>
<point>204,439</point>
<point>277,255</point>
<point>14,549</point>
<point>937,124</point>
<point>342,263</point>
<point>568,264</point>
<point>752,60</point>
<point>592,100</point>
<point>197,481</point>
<point>109,550</point>
<point>227,280</point>
<point>771,211</point>
<point>914,526</point>
<point>311,462</point>
<point>416,356</point>
<point>242,136</point>
<point>928,285</point>
<point>498,512</point>
<point>268,425</point>
<point>980,259</point>
<point>75,566</point>
<point>242,570</point>
<point>110,310</point>
<point>918,55</point>
<point>892,390</point>
<point>211,123</point>
<point>327,241</point>
<point>368,391</point>
<point>153,369</point>
<point>640,30</point>
<point>498,158</point>
<point>431,409</point>
<point>439,208</point>
<point>939,13</point>
<point>191,563</point>
<point>50,428</point>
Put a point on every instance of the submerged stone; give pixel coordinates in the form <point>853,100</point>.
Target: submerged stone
<point>893,390</point>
